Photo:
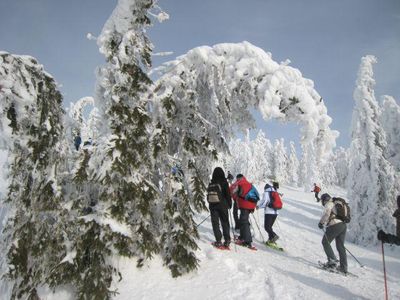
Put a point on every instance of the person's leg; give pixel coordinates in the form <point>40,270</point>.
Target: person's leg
<point>236,215</point>
<point>245,226</point>
<point>339,240</point>
<point>215,224</point>
<point>224,217</point>
<point>268,222</point>
<point>328,237</point>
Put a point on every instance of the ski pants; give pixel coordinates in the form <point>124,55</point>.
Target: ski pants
<point>269,220</point>
<point>236,215</point>
<point>316,196</point>
<point>220,214</point>
<point>245,233</point>
<point>336,232</point>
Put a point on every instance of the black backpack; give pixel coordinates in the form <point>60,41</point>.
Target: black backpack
<point>342,210</point>
<point>214,193</point>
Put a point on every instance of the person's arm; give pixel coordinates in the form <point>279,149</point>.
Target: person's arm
<point>327,213</point>
<point>262,203</point>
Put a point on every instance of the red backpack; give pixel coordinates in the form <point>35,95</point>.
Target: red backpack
<point>317,189</point>
<point>276,201</point>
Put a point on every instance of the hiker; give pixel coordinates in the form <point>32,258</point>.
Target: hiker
<point>77,141</point>
<point>235,210</point>
<point>388,238</point>
<point>229,177</point>
<point>316,190</point>
<point>335,230</point>
<point>219,210</point>
<point>239,191</point>
<point>396,214</point>
<point>270,214</point>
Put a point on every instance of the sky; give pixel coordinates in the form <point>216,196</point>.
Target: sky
<point>324,39</point>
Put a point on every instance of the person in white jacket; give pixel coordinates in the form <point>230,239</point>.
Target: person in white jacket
<point>270,214</point>
<point>335,230</point>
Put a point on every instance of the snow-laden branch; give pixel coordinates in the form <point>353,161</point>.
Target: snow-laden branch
<point>228,80</point>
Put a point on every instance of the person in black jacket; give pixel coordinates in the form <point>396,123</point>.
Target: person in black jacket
<point>388,238</point>
<point>219,211</point>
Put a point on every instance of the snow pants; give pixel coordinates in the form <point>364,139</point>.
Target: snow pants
<point>245,233</point>
<point>269,221</point>
<point>236,215</point>
<point>220,214</point>
<point>336,232</point>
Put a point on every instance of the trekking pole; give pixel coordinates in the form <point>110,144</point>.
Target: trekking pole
<point>233,230</point>
<point>259,230</point>
<point>361,265</point>
<point>203,221</point>
<point>384,271</point>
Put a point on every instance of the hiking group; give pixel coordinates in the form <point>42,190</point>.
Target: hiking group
<point>245,200</point>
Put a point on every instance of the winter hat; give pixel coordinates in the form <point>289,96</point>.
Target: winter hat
<point>275,184</point>
<point>325,198</point>
<point>238,176</point>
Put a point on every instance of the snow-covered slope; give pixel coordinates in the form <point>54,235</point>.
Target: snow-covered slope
<point>268,274</point>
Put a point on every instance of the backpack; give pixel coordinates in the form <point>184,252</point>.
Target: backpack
<point>317,189</point>
<point>342,210</point>
<point>214,193</point>
<point>275,200</point>
<point>252,195</point>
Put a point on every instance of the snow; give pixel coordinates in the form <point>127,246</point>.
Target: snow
<point>266,273</point>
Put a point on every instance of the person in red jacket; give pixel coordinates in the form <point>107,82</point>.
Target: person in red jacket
<point>316,190</point>
<point>239,190</point>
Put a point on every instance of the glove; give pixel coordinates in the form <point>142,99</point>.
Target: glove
<point>382,236</point>
<point>320,225</point>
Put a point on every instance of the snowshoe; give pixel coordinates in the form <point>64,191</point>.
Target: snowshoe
<point>243,244</point>
<point>220,246</point>
<point>274,246</point>
<point>334,269</point>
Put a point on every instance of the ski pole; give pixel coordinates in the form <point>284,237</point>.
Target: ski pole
<point>233,230</point>
<point>203,221</point>
<point>384,271</point>
<point>259,230</point>
<point>361,265</point>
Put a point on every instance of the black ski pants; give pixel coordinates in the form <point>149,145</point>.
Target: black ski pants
<point>269,221</point>
<point>245,233</point>
<point>220,214</point>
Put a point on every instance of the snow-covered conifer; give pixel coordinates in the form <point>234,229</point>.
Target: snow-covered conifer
<point>341,166</point>
<point>31,129</point>
<point>390,119</point>
<point>293,166</point>
<point>280,161</point>
<point>371,177</point>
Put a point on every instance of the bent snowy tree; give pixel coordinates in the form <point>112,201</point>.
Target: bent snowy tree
<point>221,84</point>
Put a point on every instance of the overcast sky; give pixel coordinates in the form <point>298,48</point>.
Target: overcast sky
<point>324,39</point>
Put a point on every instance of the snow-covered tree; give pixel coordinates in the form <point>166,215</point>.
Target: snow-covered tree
<point>31,130</point>
<point>341,166</point>
<point>227,80</point>
<point>390,119</point>
<point>371,178</point>
<point>261,155</point>
<point>293,166</point>
<point>279,161</point>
